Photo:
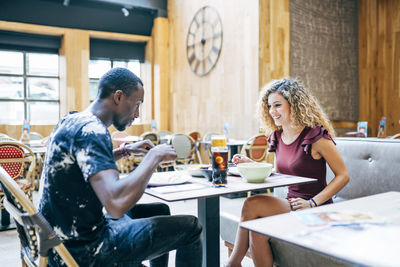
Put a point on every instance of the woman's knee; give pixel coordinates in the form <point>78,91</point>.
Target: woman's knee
<point>255,207</point>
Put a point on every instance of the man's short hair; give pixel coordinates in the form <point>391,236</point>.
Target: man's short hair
<point>118,79</point>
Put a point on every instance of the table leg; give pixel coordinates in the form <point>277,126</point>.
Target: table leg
<point>6,223</point>
<point>208,213</point>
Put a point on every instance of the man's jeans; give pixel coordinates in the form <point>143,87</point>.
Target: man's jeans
<point>129,240</point>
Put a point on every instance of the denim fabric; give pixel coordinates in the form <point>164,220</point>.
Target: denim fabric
<point>128,241</point>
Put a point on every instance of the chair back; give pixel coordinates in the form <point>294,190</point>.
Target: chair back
<point>28,220</point>
<point>152,136</point>
<point>196,138</point>
<point>4,137</point>
<point>118,134</point>
<point>182,144</point>
<point>15,157</point>
<point>195,135</point>
<point>256,148</point>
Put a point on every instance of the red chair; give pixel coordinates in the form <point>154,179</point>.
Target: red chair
<point>196,138</point>
<point>256,148</point>
<point>19,162</point>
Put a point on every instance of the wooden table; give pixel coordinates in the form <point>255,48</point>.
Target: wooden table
<point>208,203</point>
<point>359,244</point>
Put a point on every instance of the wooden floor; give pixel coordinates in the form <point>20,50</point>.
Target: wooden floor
<point>9,244</point>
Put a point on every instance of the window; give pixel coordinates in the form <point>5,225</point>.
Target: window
<point>98,67</point>
<point>29,88</point>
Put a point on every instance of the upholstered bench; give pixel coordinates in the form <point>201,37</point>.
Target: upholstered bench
<point>374,167</point>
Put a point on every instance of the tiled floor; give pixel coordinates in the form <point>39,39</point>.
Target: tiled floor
<point>9,244</point>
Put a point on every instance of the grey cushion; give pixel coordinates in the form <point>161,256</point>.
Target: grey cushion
<point>373,165</point>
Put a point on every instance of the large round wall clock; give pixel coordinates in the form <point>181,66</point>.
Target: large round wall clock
<point>204,40</point>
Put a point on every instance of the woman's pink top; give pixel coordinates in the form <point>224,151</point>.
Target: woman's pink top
<point>296,159</point>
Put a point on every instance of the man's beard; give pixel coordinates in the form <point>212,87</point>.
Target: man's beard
<point>119,126</point>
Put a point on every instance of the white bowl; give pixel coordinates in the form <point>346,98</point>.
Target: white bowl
<point>255,172</point>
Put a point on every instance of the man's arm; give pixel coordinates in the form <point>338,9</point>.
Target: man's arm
<point>120,195</point>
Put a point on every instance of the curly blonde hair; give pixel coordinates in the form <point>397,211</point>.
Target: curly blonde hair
<point>304,107</point>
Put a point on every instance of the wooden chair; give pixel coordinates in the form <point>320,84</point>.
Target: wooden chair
<point>124,165</point>
<point>152,136</point>
<point>196,137</point>
<point>182,144</point>
<point>19,162</point>
<point>4,137</point>
<point>31,226</point>
<point>256,148</point>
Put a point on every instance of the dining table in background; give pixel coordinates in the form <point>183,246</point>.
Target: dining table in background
<point>234,146</point>
<point>208,203</point>
<point>128,139</point>
<point>359,243</point>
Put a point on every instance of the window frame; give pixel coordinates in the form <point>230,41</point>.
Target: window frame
<point>25,76</point>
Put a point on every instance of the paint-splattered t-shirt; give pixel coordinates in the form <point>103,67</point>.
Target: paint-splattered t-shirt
<point>80,146</point>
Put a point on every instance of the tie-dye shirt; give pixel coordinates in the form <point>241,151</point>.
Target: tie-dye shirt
<point>80,146</point>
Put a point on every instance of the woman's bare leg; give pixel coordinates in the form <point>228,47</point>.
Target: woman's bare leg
<point>256,207</point>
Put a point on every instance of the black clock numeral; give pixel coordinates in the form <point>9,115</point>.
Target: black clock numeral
<point>191,58</point>
<point>209,60</point>
<point>191,46</point>
<point>196,66</point>
<point>215,49</point>
<point>216,35</point>
<point>195,21</point>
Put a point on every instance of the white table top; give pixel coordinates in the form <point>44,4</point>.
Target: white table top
<point>39,150</point>
<point>201,188</point>
<point>129,138</point>
<point>366,244</point>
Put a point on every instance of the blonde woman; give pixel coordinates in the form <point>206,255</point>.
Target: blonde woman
<point>302,141</point>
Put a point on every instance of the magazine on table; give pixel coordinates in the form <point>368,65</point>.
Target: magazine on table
<point>334,218</point>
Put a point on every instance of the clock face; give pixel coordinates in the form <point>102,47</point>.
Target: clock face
<point>204,40</point>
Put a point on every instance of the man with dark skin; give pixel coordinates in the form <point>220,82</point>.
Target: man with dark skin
<point>80,178</point>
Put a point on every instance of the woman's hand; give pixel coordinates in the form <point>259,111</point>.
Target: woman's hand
<point>141,147</point>
<point>237,159</point>
<point>299,204</point>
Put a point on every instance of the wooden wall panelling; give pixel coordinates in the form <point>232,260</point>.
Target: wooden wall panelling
<point>367,51</point>
<point>392,107</point>
<point>229,92</point>
<point>161,72</point>
<point>274,34</point>
<point>31,28</point>
<point>14,131</point>
<point>378,63</point>
<point>74,89</point>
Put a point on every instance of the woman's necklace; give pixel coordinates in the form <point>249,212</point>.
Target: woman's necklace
<point>290,138</point>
